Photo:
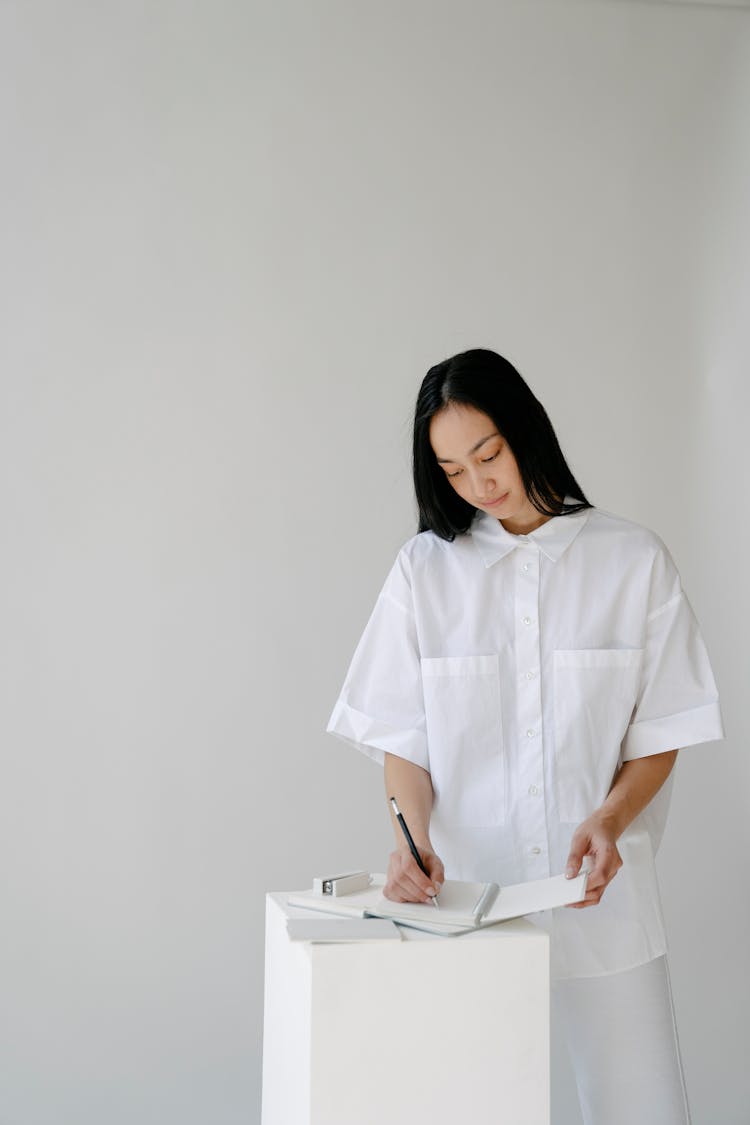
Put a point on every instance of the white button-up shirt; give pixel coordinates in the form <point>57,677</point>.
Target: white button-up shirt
<point>521,671</point>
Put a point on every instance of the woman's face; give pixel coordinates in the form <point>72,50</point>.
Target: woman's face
<point>478,462</point>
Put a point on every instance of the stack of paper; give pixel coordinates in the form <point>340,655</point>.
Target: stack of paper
<point>463,906</point>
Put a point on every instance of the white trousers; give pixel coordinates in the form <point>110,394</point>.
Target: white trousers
<point>621,1035</point>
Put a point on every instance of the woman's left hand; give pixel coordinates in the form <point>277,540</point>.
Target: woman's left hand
<point>596,838</point>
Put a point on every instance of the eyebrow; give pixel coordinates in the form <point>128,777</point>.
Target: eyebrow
<point>474,448</point>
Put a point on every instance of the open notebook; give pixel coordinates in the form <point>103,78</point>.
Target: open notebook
<point>463,906</point>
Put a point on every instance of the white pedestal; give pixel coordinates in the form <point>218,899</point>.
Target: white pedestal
<point>434,1030</point>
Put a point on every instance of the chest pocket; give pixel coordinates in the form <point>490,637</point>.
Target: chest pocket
<point>595,692</point>
<point>465,738</point>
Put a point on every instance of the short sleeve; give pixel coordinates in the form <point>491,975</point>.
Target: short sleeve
<point>380,707</point>
<point>678,702</point>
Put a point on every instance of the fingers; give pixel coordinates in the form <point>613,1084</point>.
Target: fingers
<point>435,867</point>
<point>593,898</point>
<point>575,859</point>
<point>580,846</point>
<point>406,883</point>
<point>608,863</point>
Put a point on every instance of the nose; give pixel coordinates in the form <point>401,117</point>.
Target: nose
<point>483,483</point>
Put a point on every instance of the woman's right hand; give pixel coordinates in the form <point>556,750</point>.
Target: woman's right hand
<point>406,883</point>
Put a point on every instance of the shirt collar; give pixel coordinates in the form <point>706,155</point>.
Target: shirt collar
<point>494,542</point>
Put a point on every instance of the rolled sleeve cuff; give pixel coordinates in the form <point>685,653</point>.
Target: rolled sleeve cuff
<point>376,738</point>
<point>672,732</point>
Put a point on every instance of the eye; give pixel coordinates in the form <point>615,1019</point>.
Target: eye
<point>484,462</point>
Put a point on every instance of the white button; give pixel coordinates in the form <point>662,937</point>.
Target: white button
<point>529,734</point>
<point>527,566</point>
<point>527,620</point>
<point>536,851</point>
<point>529,675</point>
<point>533,790</point>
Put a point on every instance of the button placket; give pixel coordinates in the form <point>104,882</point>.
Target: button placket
<point>531,824</point>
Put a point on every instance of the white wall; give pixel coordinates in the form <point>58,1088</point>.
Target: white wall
<point>235,236</point>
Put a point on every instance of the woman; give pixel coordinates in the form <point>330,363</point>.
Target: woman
<point>527,675</point>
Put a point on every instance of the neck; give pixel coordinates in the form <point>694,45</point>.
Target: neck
<point>517,525</point>
<point>526,519</point>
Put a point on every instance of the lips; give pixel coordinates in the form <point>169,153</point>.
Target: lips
<point>492,503</point>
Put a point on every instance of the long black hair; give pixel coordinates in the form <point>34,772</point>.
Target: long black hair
<point>485,380</point>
